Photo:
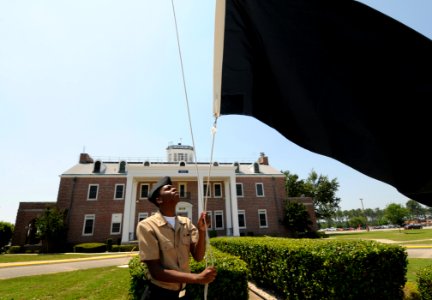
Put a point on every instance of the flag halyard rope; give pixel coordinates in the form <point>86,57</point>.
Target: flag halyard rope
<point>209,255</point>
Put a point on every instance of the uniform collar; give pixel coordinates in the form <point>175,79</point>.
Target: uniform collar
<point>160,220</point>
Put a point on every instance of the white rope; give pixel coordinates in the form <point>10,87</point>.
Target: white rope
<point>209,251</point>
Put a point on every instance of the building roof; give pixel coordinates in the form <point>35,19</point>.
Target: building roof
<point>113,168</point>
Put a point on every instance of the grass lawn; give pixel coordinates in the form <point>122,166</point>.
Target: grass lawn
<point>100,283</point>
<point>5,258</point>
<point>397,235</point>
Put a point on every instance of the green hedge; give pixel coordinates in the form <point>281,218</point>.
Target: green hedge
<point>90,248</point>
<point>424,283</point>
<point>321,269</point>
<point>231,281</point>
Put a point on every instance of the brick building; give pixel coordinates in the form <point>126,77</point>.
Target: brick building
<point>106,199</point>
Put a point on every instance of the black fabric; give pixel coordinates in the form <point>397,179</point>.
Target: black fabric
<point>154,192</point>
<point>338,78</point>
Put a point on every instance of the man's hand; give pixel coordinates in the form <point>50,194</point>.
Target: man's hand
<point>203,222</point>
<point>206,276</point>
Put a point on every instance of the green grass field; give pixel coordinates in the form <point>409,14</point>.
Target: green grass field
<point>100,283</point>
<point>417,236</point>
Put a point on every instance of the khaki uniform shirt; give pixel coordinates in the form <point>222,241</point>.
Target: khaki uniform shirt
<point>159,240</point>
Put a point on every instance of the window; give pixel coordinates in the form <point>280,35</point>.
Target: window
<point>219,222</point>
<point>256,167</point>
<point>217,190</point>
<point>237,167</point>
<point>242,219</point>
<point>144,190</point>
<point>88,227</point>
<point>182,190</point>
<point>209,215</point>
<point>207,191</point>
<point>142,216</point>
<point>182,156</point>
<point>122,167</point>
<point>262,215</point>
<point>119,191</point>
<point>259,189</point>
<point>92,192</point>
<point>239,189</point>
<point>116,223</point>
<point>97,167</point>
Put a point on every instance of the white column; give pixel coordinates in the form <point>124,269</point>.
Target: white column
<point>129,210</point>
<point>200,195</point>
<point>234,206</point>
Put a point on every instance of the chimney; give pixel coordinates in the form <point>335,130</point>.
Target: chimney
<point>263,159</point>
<point>85,159</point>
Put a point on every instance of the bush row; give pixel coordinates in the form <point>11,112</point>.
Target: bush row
<point>321,269</point>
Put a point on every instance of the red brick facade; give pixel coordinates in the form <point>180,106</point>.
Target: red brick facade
<point>260,214</point>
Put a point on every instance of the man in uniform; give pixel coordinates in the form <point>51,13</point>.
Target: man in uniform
<point>165,242</point>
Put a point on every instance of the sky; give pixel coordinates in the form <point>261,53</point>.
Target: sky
<point>106,77</point>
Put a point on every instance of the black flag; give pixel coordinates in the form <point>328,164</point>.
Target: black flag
<point>335,77</point>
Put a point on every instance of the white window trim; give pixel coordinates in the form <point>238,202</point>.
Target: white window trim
<point>115,191</point>
<point>242,212</point>
<point>88,192</point>
<point>256,189</point>
<point>260,212</point>
<point>88,217</point>
<point>219,213</point>
<point>140,189</point>
<point>242,190</point>
<point>142,216</point>
<point>113,219</point>
<point>214,190</point>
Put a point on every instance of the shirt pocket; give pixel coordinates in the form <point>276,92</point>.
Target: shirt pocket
<point>166,245</point>
<point>186,239</point>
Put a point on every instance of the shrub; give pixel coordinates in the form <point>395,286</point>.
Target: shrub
<point>230,283</point>
<point>321,269</point>
<point>90,248</point>
<point>411,292</point>
<point>424,282</point>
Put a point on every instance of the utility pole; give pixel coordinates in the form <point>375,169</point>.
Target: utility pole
<point>367,227</point>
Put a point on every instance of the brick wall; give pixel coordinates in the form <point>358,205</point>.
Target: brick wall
<point>27,213</point>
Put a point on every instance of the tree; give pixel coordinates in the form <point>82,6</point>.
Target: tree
<point>323,192</point>
<point>296,218</point>
<point>51,228</point>
<point>396,214</point>
<point>416,210</point>
<point>6,232</point>
<point>293,186</point>
<point>319,188</point>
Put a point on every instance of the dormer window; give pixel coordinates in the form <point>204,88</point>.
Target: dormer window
<point>122,167</point>
<point>237,167</point>
<point>97,167</point>
<point>256,167</point>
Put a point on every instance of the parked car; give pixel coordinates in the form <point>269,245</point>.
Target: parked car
<point>413,226</point>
